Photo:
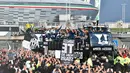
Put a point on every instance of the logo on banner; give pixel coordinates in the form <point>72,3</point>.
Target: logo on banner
<point>34,43</point>
<point>68,46</point>
<point>101,39</point>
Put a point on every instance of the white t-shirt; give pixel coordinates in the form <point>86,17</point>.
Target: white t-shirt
<point>28,64</point>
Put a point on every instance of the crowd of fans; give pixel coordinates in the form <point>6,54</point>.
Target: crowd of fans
<point>27,61</point>
<point>66,33</point>
<point>80,35</point>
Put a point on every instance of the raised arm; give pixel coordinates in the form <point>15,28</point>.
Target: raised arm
<point>59,29</point>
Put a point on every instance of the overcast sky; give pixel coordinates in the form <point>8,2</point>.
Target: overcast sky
<point>111,10</point>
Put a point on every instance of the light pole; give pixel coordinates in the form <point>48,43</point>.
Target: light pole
<point>69,16</point>
<point>66,11</point>
<point>123,12</point>
<point>69,8</point>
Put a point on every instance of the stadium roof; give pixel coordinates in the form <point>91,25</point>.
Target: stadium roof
<point>49,1</point>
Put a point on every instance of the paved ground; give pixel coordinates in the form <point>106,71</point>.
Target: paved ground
<point>126,41</point>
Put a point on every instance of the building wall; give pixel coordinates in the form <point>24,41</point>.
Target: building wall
<point>31,12</point>
<point>116,25</point>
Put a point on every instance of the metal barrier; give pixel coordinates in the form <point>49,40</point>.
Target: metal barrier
<point>12,38</point>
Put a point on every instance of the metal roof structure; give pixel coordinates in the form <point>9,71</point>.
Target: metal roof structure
<point>50,1</point>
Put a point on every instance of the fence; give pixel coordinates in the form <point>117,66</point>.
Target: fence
<point>13,44</point>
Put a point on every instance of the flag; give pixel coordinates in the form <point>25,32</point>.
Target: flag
<point>98,4</point>
<point>9,47</point>
<point>32,25</point>
<point>68,24</point>
<point>115,42</point>
<point>88,1</point>
<point>28,26</point>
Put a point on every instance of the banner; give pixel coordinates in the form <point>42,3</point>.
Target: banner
<point>100,39</point>
<point>34,43</point>
<point>55,45</point>
<point>39,37</point>
<point>103,48</point>
<point>27,26</point>
<point>81,44</point>
<point>98,4</point>
<point>57,53</point>
<point>67,51</point>
<point>78,55</point>
<point>66,58</point>
<point>26,44</point>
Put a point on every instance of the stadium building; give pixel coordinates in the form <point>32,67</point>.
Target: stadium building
<point>12,11</point>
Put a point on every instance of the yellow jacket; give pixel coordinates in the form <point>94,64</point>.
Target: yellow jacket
<point>89,61</point>
<point>120,59</point>
<point>126,60</point>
